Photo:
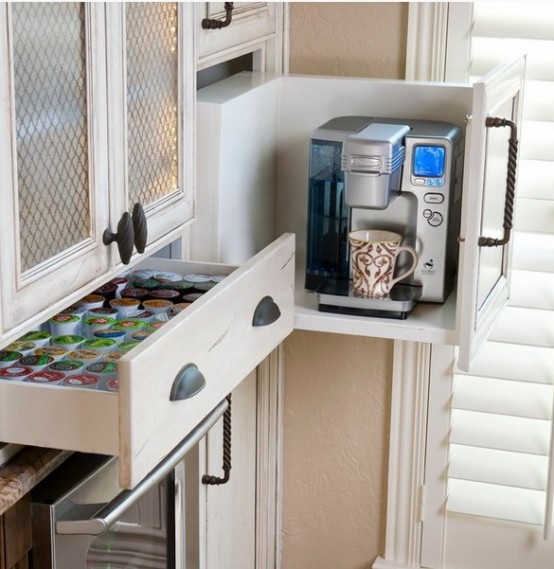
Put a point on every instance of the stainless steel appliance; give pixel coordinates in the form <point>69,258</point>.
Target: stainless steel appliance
<point>399,175</point>
<point>82,518</point>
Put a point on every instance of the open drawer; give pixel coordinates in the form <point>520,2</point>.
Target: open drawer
<point>172,379</point>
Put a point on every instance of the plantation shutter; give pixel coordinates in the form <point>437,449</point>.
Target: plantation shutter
<point>501,442</point>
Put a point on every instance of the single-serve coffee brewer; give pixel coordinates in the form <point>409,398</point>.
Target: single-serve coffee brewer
<point>396,175</point>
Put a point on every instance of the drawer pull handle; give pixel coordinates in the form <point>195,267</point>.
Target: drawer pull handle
<point>266,312</point>
<point>507,225</point>
<point>187,384</point>
<point>210,479</point>
<point>140,227</point>
<point>124,237</point>
<point>213,24</point>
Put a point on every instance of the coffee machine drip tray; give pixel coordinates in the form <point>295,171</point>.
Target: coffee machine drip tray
<point>337,295</point>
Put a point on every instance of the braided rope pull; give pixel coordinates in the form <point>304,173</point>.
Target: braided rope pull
<point>217,480</point>
<point>507,224</point>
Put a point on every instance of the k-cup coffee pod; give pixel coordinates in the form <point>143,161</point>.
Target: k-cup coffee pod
<point>104,370</point>
<point>15,371</point>
<point>125,306</point>
<point>112,385</point>
<point>163,294</point>
<point>113,356</point>
<point>36,362</point>
<point>144,316</point>
<point>65,324</point>
<point>128,345</point>
<point>158,305</point>
<point>67,366</point>
<point>46,377</point>
<point>106,290</point>
<point>139,294</point>
<point>110,334</point>
<point>148,284</point>
<point>179,307</point>
<point>56,352</point>
<point>129,325</point>
<point>103,311</point>
<point>156,325</point>
<point>83,380</point>
<point>120,283</point>
<point>22,347</point>
<point>103,345</point>
<point>8,357</point>
<point>69,342</point>
<point>141,335</point>
<point>192,296</point>
<point>197,278</point>
<point>38,337</point>
<point>181,286</point>
<point>93,323</point>
<point>85,355</point>
<point>91,301</point>
<point>204,286</point>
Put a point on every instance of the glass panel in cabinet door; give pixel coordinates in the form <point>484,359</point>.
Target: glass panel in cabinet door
<point>152,100</point>
<point>155,145</point>
<point>493,261</point>
<point>50,88</point>
<point>54,202</point>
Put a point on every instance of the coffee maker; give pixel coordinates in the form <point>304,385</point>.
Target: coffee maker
<point>400,175</point>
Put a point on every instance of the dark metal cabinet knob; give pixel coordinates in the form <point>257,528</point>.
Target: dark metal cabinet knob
<point>140,227</point>
<point>124,237</point>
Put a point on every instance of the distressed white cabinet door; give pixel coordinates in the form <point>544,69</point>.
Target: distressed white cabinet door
<point>252,24</point>
<point>53,158</point>
<point>486,270</point>
<point>150,98</point>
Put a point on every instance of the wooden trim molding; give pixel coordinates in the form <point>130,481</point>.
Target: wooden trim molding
<point>426,44</point>
<point>410,385</point>
<point>269,457</point>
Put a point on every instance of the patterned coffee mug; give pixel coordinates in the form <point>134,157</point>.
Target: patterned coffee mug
<point>374,254</point>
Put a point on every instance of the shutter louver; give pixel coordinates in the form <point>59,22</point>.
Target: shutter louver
<point>501,422</point>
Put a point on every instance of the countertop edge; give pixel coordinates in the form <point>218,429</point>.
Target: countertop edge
<point>25,470</point>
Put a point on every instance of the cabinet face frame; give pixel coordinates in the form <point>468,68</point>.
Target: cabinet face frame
<point>24,293</point>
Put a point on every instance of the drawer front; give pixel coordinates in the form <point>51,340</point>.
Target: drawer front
<point>216,339</point>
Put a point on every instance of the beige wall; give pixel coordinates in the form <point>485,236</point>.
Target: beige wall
<point>337,388</point>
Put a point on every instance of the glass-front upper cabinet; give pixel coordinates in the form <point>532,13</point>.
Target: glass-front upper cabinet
<point>95,125</point>
<point>149,96</point>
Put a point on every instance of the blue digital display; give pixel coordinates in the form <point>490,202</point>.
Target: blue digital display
<point>428,161</point>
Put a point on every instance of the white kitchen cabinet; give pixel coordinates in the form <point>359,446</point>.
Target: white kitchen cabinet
<point>174,378</point>
<point>253,24</point>
<point>96,117</point>
<point>291,107</point>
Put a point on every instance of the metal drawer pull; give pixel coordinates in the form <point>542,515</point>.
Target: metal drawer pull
<point>124,237</point>
<point>266,312</point>
<point>217,480</point>
<point>108,516</point>
<point>140,227</point>
<point>189,382</point>
<point>213,24</point>
<point>510,183</point>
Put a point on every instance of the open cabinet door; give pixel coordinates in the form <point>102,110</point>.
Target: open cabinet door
<point>489,171</point>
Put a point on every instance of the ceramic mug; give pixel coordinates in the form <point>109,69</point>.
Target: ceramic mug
<point>374,254</point>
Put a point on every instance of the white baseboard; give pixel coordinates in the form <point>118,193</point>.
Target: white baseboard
<point>381,563</point>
